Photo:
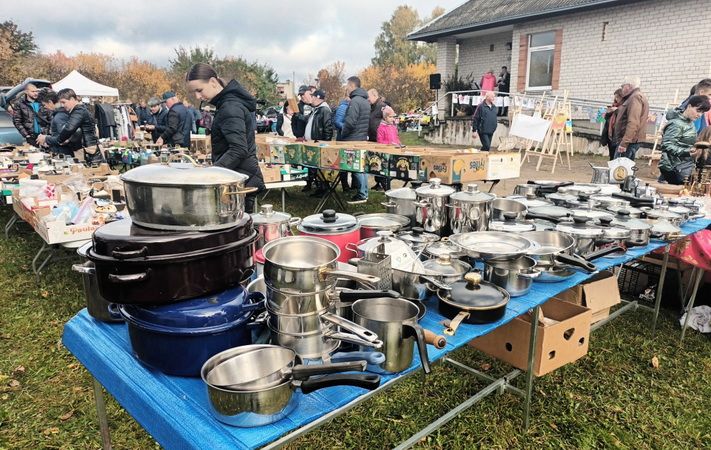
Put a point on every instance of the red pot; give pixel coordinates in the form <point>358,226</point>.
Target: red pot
<point>341,229</point>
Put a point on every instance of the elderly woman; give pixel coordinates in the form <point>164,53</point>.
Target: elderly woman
<point>678,152</point>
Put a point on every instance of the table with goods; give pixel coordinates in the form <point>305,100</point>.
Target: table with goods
<point>215,328</point>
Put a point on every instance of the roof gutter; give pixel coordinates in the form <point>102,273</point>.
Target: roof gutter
<point>433,35</point>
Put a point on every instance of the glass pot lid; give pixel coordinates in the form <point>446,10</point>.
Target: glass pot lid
<point>623,219</point>
<point>474,293</point>
<point>329,221</point>
<point>444,247</point>
<point>510,224</point>
<point>417,236</point>
<point>404,193</point>
<point>580,227</point>
<point>445,265</point>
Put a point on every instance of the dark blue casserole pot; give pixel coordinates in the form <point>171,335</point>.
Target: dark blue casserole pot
<point>179,337</point>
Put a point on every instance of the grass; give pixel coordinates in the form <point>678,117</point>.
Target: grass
<point>612,398</point>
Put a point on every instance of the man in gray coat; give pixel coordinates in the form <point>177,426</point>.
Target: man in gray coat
<point>355,128</point>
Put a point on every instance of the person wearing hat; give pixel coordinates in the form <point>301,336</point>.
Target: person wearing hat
<point>178,124</point>
<point>319,127</point>
<point>157,120</point>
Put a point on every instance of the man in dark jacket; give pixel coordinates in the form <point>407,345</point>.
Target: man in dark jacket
<point>158,119</point>
<point>49,99</point>
<point>233,144</point>
<point>319,126</point>
<point>143,113</point>
<point>30,118</point>
<point>355,128</point>
<point>484,123</point>
<point>179,123</point>
<point>298,121</point>
<point>79,119</point>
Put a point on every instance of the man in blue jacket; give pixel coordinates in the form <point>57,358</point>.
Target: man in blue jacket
<point>484,123</point>
<point>177,131</point>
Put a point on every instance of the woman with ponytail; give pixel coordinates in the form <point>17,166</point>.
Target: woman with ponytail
<point>232,134</point>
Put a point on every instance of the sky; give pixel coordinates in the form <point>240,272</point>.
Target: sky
<point>293,37</point>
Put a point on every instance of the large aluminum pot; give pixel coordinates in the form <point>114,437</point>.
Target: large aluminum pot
<point>370,224</point>
<point>306,264</point>
<point>258,407</point>
<point>181,196</point>
<point>470,209</point>
<point>432,209</point>
<point>272,224</point>
<point>341,229</point>
<point>401,201</point>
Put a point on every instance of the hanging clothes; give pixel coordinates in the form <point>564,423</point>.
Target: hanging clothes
<point>105,120</point>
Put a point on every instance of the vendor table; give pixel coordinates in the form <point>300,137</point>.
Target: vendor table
<point>282,186</point>
<point>175,410</point>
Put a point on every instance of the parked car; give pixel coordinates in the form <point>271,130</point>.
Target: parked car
<point>8,132</point>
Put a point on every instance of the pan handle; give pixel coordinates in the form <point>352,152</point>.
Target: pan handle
<point>436,283</point>
<point>350,296</point>
<point>303,372</point>
<point>365,381</point>
<point>454,323</point>
<point>87,268</point>
<point>414,330</point>
<point>577,261</point>
<point>368,281</point>
<point>352,339</point>
<point>131,278</point>
<point>372,358</point>
<point>351,327</point>
<point>437,341</point>
<point>128,254</point>
<point>604,251</point>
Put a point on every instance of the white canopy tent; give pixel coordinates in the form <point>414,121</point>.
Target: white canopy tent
<point>84,87</point>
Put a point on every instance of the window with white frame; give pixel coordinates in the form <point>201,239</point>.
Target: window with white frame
<point>539,73</point>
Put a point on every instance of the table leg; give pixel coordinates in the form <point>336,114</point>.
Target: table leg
<point>11,223</point>
<point>101,414</point>
<point>660,288</point>
<point>283,199</point>
<point>493,184</point>
<point>529,373</point>
<point>699,272</point>
<point>42,249</point>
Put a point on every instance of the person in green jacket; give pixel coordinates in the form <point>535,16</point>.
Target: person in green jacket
<point>678,155</point>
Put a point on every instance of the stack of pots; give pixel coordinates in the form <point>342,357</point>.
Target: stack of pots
<point>176,267</point>
<point>300,277</point>
<point>433,206</point>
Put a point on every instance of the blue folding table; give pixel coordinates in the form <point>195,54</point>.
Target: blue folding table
<point>175,410</point>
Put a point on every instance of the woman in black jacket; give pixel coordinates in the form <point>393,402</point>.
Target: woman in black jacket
<point>233,145</point>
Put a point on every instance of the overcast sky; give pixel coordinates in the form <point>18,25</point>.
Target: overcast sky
<point>291,36</point>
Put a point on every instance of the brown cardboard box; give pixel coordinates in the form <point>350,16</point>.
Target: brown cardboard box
<point>563,337</point>
<point>503,165</point>
<point>270,173</point>
<point>330,158</point>
<point>453,166</point>
<point>598,294</point>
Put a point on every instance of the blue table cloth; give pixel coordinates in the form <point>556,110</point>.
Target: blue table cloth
<point>175,410</point>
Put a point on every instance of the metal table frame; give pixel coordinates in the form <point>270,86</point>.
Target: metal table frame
<point>282,186</point>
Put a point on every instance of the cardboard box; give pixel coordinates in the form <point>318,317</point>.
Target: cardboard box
<point>271,173</point>
<point>503,165</point>
<point>263,151</point>
<point>563,337</point>
<point>599,294</point>
<point>293,153</point>
<point>330,158</point>
<point>311,154</point>
<point>377,162</point>
<point>277,153</point>
<point>404,164</point>
<point>353,159</point>
<point>453,167</point>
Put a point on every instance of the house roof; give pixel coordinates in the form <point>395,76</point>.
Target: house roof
<point>481,14</point>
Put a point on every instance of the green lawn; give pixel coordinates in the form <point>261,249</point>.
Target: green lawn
<point>611,398</point>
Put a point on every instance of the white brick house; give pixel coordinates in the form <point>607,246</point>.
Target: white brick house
<point>584,46</point>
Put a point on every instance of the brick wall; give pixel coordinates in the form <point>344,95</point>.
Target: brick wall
<point>446,64</point>
<point>665,43</point>
<point>475,57</point>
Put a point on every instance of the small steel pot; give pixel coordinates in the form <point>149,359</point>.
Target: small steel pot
<point>600,175</point>
<point>318,344</point>
<point>271,225</point>
<point>640,230</point>
<point>503,205</point>
<point>447,270</point>
<point>526,189</point>
<point>432,206</point>
<point>370,224</point>
<point>402,202</point>
<point>516,277</point>
<point>584,232</point>
<point>470,209</point>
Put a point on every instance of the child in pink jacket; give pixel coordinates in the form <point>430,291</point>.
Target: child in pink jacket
<point>387,130</point>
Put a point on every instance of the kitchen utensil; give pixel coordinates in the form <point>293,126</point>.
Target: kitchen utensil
<point>515,277</point>
<point>609,201</point>
<point>584,232</point>
<point>97,307</point>
<point>580,189</point>
<point>370,224</point>
<point>473,301</point>
<point>600,175</point>
<point>341,229</point>
<point>183,196</point>
<point>470,209</point>
<point>550,250</point>
<point>488,245</point>
<point>501,205</point>
<point>526,189</point>
<point>511,225</point>
<point>417,238</point>
<point>402,256</point>
<point>640,230</point>
<point>432,210</point>
<point>272,224</point>
<point>613,235</point>
<point>402,202</point>
<point>318,344</point>
<point>447,270</point>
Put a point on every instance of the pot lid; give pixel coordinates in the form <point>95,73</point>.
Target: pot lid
<point>634,212</point>
<point>123,240</point>
<point>558,197</point>
<point>267,214</point>
<point>182,174</point>
<point>445,265</point>
<point>609,200</point>
<point>550,211</point>
<point>208,314</point>
<point>474,294</point>
<point>492,244</point>
<point>681,210</point>
<point>532,202</point>
<point>580,227</point>
<point>329,221</point>
<point>435,188</point>
<point>623,219</point>
<point>592,213</point>
<point>612,231</point>
<point>417,236</point>
<point>663,226</point>
<point>662,214</point>
<point>444,247</point>
<point>404,193</point>
<point>609,189</point>
<point>550,183</point>
<point>383,220</point>
<point>510,224</point>
<point>588,189</point>
<point>402,257</point>
<point>472,194</point>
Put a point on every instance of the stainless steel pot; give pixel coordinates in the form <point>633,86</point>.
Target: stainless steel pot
<point>608,201</point>
<point>318,344</point>
<point>553,251</point>
<point>526,189</point>
<point>415,285</point>
<point>585,233</point>
<point>402,256</point>
<point>401,201</point>
<point>500,206</point>
<point>663,213</point>
<point>640,230</point>
<point>303,324</point>
<point>613,235</point>
<point>432,209</point>
<point>417,239</point>
<point>470,209</point>
<point>370,224</point>
<point>97,307</point>
<point>396,321</point>
<point>443,247</point>
<point>516,276</point>
<point>272,225</point>
<point>447,270</point>
<point>305,264</point>
<point>180,196</point>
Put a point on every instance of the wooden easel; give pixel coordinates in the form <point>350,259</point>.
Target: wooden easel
<point>528,144</point>
<point>557,136</point>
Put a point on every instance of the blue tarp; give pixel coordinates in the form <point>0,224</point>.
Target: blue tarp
<point>175,410</point>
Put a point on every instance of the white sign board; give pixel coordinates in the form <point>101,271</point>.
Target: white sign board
<point>527,127</point>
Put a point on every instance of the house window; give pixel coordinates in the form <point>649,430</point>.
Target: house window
<point>539,73</point>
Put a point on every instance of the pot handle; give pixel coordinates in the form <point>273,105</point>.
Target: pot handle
<point>352,339</point>
<point>604,251</point>
<point>368,281</point>
<point>294,221</point>
<point>304,371</point>
<point>373,358</point>
<point>131,278</point>
<point>128,254</point>
<point>436,283</point>
<point>255,302</point>
<point>240,191</point>
<point>181,156</point>
<point>414,330</point>
<point>113,309</point>
<point>438,341</point>
<point>352,327</point>
<point>351,247</point>
<point>535,273</point>
<point>350,296</point>
<point>85,269</point>
<point>365,381</point>
<point>388,204</point>
<point>454,324</point>
<point>577,261</point>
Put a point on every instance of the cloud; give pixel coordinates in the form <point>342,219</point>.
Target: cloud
<point>292,37</point>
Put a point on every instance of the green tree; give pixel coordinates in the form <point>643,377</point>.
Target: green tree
<point>392,48</point>
<point>15,45</point>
